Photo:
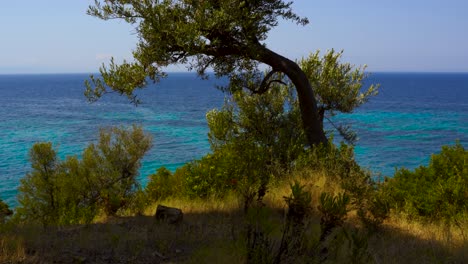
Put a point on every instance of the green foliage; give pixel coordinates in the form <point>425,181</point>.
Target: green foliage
<point>252,139</point>
<point>334,210</point>
<point>223,35</point>
<point>233,167</point>
<point>438,191</point>
<point>73,190</point>
<point>4,211</point>
<point>337,87</point>
<point>338,162</point>
<point>164,184</point>
<point>294,236</point>
<point>257,135</point>
<point>138,202</point>
<point>269,122</point>
<point>114,162</point>
<point>298,203</point>
<point>38,194</point>
<point>207,177</point>
<point>373,208</point>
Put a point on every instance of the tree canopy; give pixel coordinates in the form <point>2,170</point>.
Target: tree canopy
<point>224,35</point>
<point>338,87</point>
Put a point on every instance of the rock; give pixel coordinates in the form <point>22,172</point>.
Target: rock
<point>169,214</point>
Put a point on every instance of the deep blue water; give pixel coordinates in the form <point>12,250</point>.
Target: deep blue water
<point>411,118</point>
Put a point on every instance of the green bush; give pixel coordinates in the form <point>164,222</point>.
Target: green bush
<point>231,167</point>
<point>73,191</point>
<point>337,162</point>
<point>299,203</point>
<point>339,165</point>
<point>38,192</point>
<point>206,177</point>
<point>269,122</point>
<point>4,211</point>
<point>438,191</point>
<point>161,185</point>
<point>334,210</point>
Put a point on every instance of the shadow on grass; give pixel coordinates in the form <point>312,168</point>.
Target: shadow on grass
<point>138,239</point>
<point>425,244</point>
<point>207,237</point>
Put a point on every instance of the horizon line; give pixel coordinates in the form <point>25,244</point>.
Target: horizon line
<point>192,72</point>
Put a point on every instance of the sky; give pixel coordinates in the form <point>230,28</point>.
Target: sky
<point>56,36</point>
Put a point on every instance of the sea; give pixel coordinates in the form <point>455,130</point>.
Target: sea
<point>412,117</point>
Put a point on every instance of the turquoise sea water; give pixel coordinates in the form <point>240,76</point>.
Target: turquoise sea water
<point>413,116</point>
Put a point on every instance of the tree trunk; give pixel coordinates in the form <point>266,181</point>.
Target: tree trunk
<point>308,105</point>
<point>321,113</point>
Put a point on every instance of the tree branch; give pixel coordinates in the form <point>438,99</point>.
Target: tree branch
<point>266,83</point>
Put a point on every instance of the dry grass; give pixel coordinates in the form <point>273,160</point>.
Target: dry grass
<point>138,239</point>
<point>133,239</point>
<point>212,233</point>
<point>403,241</point>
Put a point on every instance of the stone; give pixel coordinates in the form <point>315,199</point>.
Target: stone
<point>169,214</point>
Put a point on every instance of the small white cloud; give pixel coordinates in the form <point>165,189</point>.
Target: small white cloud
<point>103,57</point>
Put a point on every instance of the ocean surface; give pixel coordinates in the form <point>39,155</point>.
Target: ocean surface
<point>411,118</point>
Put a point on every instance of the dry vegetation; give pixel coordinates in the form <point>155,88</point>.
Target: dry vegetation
<point>213,232</point>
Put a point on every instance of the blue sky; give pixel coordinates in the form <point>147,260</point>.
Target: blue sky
<point>56,36</point>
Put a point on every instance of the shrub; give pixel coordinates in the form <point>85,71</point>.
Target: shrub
<point>294,235</point>
<point>334,210</point>
<point>339,165</point>
<point>114,162</point>
<point>240,167</point>
<point>269,122</point>
<point>438,191</point>
<point>72,191</point>
<point>299,203</point>
<point>4,211</point>
<point>39,190</point>
<point>208,177</point>
<point>161,185</point>
<point>337,162</point>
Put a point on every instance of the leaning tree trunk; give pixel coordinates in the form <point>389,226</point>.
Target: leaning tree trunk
<point>310,117</point>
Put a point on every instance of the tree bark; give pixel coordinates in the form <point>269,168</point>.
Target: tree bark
<point>321,113</point>
<point>310,117</point>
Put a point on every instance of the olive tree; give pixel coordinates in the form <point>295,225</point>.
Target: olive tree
<point>227,36</point>
<point>258,135</point>
<point>271,119</point>
<point>339,87</point>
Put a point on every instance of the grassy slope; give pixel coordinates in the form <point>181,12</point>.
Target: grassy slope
<point>212,233</point>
